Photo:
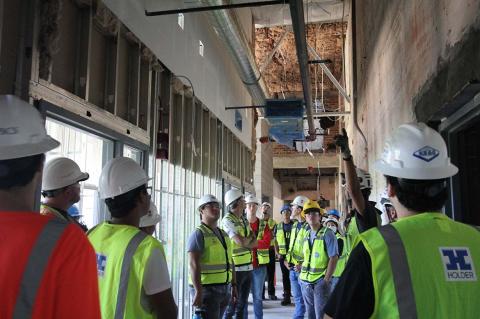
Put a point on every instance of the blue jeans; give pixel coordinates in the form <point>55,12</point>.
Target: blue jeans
<point>299,312</point>
<point>315,297</point>
<point>244,280</point>
<point>214,299</point>
<point>258,281</point>
<point>333,283</point>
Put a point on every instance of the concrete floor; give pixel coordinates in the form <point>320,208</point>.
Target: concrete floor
<point>273,309</point>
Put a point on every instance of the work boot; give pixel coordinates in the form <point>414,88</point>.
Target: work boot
<point>286,301</point>
<point>272,297</point>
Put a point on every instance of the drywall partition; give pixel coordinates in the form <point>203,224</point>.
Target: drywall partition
<point>214,77</point>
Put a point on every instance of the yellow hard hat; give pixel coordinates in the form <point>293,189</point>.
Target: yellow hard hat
<point>311,205</point>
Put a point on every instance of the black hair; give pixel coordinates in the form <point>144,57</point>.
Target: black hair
<point>420,195</point>
<point>234,204</point>
<point>120,206</point>
<point>366,193</point>
<point>19,172</point>
<point>311,210</point>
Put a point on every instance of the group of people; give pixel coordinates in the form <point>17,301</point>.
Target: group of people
<point>336,265</point>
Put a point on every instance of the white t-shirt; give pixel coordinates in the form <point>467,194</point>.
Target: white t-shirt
<point>156,278</point>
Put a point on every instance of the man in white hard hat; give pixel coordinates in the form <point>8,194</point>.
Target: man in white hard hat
<point>260,254</point>
<point>149,222</point>
<point>358,185</point>
<point>243,240</point>
<point>424,265</point>
<point>61,188</point>
<point>44,261</point>
<point>212,277</point>
<point>132,270</point>
<point>299,231</point>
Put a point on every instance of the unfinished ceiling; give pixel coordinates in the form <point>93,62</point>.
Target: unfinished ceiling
<point>282,76</point>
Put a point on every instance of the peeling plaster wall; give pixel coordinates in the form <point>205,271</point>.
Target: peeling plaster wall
<point>412,57</point>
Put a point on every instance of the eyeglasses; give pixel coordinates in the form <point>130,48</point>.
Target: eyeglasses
<point>212,206</point>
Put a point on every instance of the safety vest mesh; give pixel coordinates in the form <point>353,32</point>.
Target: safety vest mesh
<point>262,254</point>
<point>283,238</point>
<point>216,260</point>
<point>441,271</point>
<point>299,230</point>
<point>110,242</point>
<point>342,259</point>
<point>241,256</point>
<point>315,259</point>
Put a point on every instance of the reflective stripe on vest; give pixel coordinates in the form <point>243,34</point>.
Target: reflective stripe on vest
<point>216,258</point>
<point>313,270</point>
<point>405,264</point>
<point>36,265</point>
<point>241,256</point>
<point>125,273</point>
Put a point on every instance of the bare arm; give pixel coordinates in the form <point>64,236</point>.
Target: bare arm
<point>353,186</point>
<point>246,242</point>
<point>195,273</point>
<point>332,264</point>
<point>164,305</point>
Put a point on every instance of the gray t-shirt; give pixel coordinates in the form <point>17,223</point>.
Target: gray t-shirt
<point>196,241</point>
<point>331,243</point>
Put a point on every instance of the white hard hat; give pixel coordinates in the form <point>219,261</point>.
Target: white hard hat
<point>415,151</point>
<point>152,218</point>
<point>61,172</point>
<point>119,176</point>
<point>330,219</point>
<point>206,199</point>
<point>22,130</point>
<point>232,195</point>
<point>364,178</point>
<point>266,204</point>
<point>300,201</point>
<point>250,199</point>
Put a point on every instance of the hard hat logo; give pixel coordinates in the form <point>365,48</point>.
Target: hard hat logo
<point>8,130</point>
<point>427,153</point>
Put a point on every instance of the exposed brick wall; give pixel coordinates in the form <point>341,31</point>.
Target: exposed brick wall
<point>282,76</point>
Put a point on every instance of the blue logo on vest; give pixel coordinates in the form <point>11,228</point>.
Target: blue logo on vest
<point>458,264</point>
<point>101,264</point>
<point>426,153</point>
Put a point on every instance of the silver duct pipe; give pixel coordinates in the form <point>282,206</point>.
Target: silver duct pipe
<point>227,27</point>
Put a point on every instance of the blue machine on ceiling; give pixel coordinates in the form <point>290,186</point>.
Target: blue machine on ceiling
<point>286,120</point>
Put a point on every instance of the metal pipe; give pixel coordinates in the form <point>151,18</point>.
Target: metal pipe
<point>227,27</point>
<point>215,7</point>
<point>298,24</point>
<point>330,75</point>
<point>354,77</point>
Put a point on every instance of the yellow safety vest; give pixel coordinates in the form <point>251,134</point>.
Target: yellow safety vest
<point>262,254</point>
<point>271,226</point>
<point>315,260</point>
<point>299,230</point>
<point>122,252</point>
<point>342,259</point>
<point>241,256</point>
<point>283,238</point>
<point>216,260</point>
<point>425,266</point>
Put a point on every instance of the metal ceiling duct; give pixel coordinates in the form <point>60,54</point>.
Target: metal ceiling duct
<point>228,29</point>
